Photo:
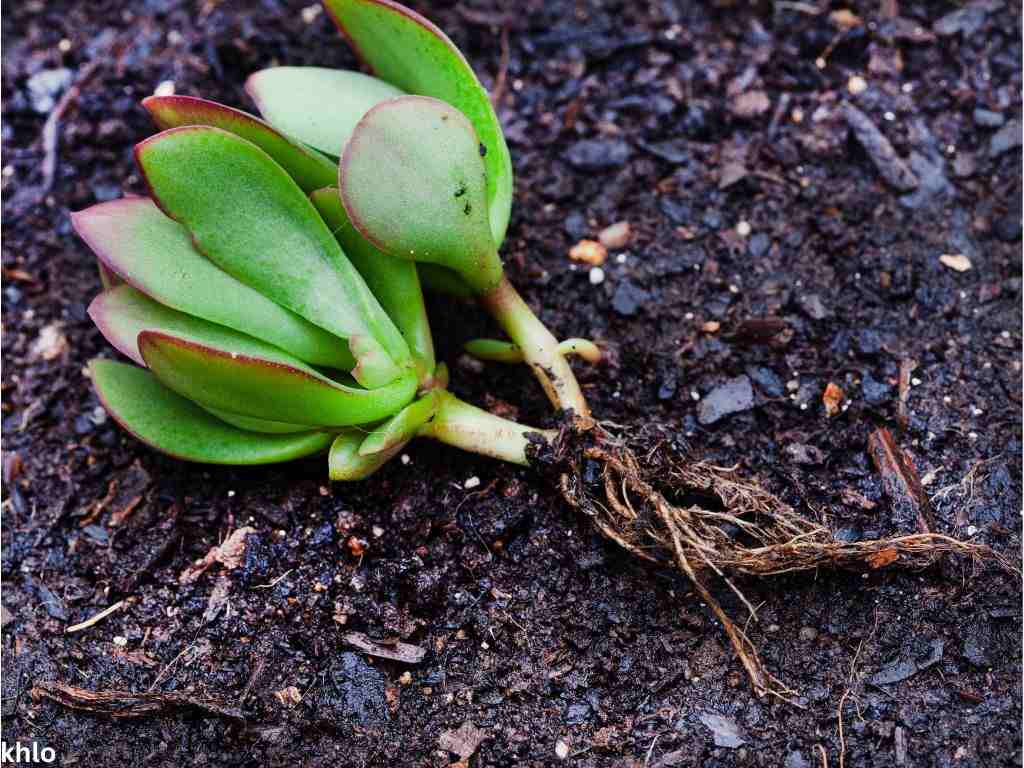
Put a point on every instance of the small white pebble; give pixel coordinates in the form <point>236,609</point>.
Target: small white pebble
<point>120,641</point>
<point>907,87</point>
<point>621,258</point>
<point>733,288</point>
<point>972,435</point>
<point>405,458</point>
<point>743,228</point>
<point>803,406</point>
<point>596,275</point>
<point>889,116</point>
<point>856,85</point>
<point>166,88</point>
<point>695,395</point>
<point>310,13</point>
<point>472,482</point>
<point>947,400</point>
<point>377,531</point>
<point>976,411</point>
<point>688,316</point>
<point>971,530</point>
<point>561,750</point>
<point>485,646</point>
<point>915,381</point>
<point>64,45</point>
<point>1005,334</point>
<point>231,494</point>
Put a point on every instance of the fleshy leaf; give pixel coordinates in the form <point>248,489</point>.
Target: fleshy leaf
<point>250,424</point>
<point>310,169</point>
<point>174,425</point>
<point>265,384</point>
<point>250,218</point>
<point>137,242</point>
<point>411,53</point>
<point>393,281</point>
<point>344,461</point>
<point>402,427</point>
<point>413,184</point>
<point>315,105</point>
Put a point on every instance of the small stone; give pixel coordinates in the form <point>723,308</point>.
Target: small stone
<point>561,749</point>
<point>734,396</point>
<point>165,88</point>
<point>589,252</point>
<point>50,344</point>
<point>616,236</point>
<point>120,641</point>
<point>759,245</point>
<point>596,275</point>
<point>598,154</point>
<point>956,261</point>
<point>875,392</point>
<point>813,306</point>
<point>986,118</point>
<point>473,482</point>
<point>767,381</point>
<point>628,298</point>
<point>964,166</point>
<point>1006,138</point>
<point>856,85</point>
<point>46,86</point>
<point>845,19</point>
<point>743,228</point>
<point>311,13</point>
<point>750,104</point>
<point>724,730</point>
<point>832,398</point>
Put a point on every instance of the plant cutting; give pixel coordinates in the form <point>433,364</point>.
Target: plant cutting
<point>269,293</point>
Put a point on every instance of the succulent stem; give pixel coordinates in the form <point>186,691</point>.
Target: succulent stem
<point>540,349</point>
<point>465,426</point>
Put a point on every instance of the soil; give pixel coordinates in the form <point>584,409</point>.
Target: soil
<point>770,255</point>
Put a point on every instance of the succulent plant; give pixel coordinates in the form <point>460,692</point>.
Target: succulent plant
<point>270,287</point>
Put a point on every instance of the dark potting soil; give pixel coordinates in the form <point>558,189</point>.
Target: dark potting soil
<point>792,175</point>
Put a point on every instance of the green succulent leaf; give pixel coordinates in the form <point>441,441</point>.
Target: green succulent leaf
<point>317,106</point>
<point>174,425</point>
<point>402,427</point>
<point>226,370</point>
<point>310,169</point>
<point>411,53</point>
<point>250,424</point>
<point>266,384</point>
<point>135,241</point>
<point>393,281</point>
<point>251,219</point>
<point>344,462</point>
<point>430,203</point>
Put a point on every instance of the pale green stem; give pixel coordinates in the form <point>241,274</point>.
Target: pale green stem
<point>539,347</point>
<point>465,426</point>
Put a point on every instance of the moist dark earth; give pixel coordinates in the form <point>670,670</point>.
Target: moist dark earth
<point>776,246</point>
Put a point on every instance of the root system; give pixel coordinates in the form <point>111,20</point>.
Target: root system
<point>708,523</point>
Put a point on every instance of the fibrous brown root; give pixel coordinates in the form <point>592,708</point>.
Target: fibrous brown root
<point>721,526</point>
